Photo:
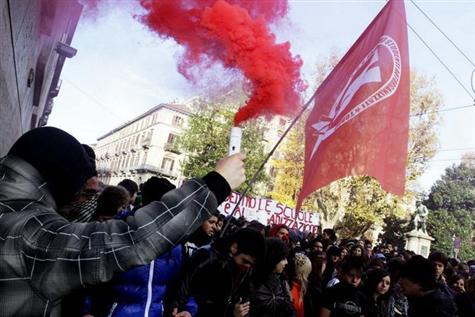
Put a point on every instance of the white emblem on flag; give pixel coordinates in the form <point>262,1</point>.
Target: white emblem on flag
<point>368,71</point>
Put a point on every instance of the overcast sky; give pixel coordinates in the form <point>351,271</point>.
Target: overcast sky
<point>121,69</point>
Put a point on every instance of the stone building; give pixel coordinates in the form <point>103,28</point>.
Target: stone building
<point>143,147</point>
<point>35,38</point>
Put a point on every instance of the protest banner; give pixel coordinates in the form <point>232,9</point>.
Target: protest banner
<point>269,212</point>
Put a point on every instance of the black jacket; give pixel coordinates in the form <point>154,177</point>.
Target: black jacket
<point>434,303</point>
<point>214,281</point>
<point>271,298</point>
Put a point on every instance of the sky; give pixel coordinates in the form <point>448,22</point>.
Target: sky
<point>122,69</point>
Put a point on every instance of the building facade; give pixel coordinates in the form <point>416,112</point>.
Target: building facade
<point>35,38</point>
<point>143,147</point>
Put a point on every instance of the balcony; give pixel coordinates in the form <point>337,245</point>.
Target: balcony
<point>171,147</point>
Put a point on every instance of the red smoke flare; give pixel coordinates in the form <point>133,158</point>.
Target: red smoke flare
<point>234,33</point>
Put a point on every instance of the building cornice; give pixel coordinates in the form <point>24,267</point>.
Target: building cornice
<point>174,107</point>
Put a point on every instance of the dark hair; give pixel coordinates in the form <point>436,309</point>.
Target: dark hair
<point>437,256</point>
<point>130,185</point>
<point>276,251</point>
<point>420,271</point>
<point>154,188</point>
<point>350,263</point>
<point>455,278</point>
<point>333,250</point>
<point>331,234</point>
<point>373,277</point>
<point>318,259</point>
<point>250,242</point>
<point>395,266</point>
<point>110,200</point>
<point>256,225</point>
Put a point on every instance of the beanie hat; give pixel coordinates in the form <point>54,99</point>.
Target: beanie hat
<point>92,157</point>
<point>58,157</point>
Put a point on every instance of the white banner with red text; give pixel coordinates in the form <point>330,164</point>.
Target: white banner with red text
<point>270,212</point>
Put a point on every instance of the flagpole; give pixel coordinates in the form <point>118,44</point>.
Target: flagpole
<point>256,174</point>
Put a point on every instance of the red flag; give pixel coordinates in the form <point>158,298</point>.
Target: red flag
<point>359,124</point>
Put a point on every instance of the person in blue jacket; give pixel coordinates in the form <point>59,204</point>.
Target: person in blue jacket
<point>142,290</point>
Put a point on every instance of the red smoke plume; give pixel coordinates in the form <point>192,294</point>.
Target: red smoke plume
<point>236,34</point>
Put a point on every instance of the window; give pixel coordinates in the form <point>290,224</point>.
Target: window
<point>171,138</point>
<point>178,121</point>
<point>167,164</point>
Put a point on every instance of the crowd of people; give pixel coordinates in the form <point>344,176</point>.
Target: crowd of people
<point>72,246</point>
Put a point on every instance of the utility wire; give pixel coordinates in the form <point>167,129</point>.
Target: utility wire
<point>94,99</point>
<point>443,33</point>
<point>441,61</point>
<point>442,110</point>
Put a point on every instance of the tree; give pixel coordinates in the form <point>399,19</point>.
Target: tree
<point>356,204</point>
<point>455,190</point>
<point>443,225</point>
<point>206,139</point>
<point>394,231</point>
<point>451,202</point>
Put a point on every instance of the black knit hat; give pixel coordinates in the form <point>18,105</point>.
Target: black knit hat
<point>59,158</point>
<point>92,156</point>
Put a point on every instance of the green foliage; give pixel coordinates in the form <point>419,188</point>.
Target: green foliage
<point>455,190</point>
<point>442,225</point>
<point>394,231</point>
<point>206,139</point>
<point>452,204</point>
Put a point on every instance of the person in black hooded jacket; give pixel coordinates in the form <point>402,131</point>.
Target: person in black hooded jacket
<point>218,277</point>
<point>270,295</point>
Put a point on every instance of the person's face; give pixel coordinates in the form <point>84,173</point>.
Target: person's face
<point>459,285</point>
<point>369,249</point>
<point>344,252</point>
<point>390,247</point>
<point>209,226</point>
<point>334,258</point>
<point>439,268</point>
<point>383,285</point>
<point>244,260</point>
<point>279,267</point>
<point>219,225</point>
<point>361,243</point>
<point>357,252</point>
<point>283,234</point>
<point>409,288</point>
<point>318,246</point>
<point>353,277</point>
<point>133,198</point>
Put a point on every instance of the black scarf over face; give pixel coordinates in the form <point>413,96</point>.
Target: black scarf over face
<point>59,158</point>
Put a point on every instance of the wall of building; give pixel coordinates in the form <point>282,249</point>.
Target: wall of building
<point>143,147</point>
<point>30,65</point>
